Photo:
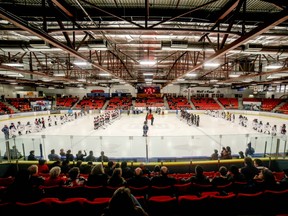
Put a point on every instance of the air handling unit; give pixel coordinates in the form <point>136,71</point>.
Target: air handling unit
<point>98,44</point>
<point>39,44</point>
<point>253,47</point>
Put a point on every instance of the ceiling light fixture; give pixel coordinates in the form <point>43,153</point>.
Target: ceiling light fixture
<point>80,63</point>
<point>104,74</point>
<point>211,64</point>
<point>14,64</point>
<point>148,74</point>
<point>147,62</point>
<point>273,66</point>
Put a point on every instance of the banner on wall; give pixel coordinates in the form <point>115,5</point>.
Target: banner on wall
<point>41,105</point>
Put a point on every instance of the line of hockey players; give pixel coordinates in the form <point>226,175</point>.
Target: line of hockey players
<point>223,114</point>
<point>106,118</point>
<point>258,126</point>
<point>40,123</point>
<point>190,118</point>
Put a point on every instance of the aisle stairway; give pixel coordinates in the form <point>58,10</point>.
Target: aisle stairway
<point>220,104</point>
<point>11,107</point>
<point>166,103</point>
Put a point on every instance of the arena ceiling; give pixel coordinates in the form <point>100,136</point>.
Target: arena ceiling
<point>80,43</point>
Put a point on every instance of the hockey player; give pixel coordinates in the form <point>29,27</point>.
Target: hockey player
<point>28,127</point>
<point>13,129</point>
<point>49,121</point>
<point>20,128</point>
<point>283,129</point>
<point>274,130</point>
<point>96,122</point>
<point>267,128</point>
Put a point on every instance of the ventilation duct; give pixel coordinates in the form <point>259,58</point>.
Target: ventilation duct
<point>39,44</point>
<point>253,47</point>
<point>179,44</point>
<point>184,45</point>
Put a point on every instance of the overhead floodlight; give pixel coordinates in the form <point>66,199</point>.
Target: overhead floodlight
<point>81,80</point>
<point>211,64</point>
<point>46,80</point>
<point>15,75</point>
<point>51,87</point>
<point>213,80</point>
<point>147,62</point>
<point>14,64</point>
<point>273,66</point>
<point>13,83</point>
<point>191,75</point>
<point>234,75</point>
<point>149,80</point>
<point>148,74</point>
<point>104,74</point>
<point>180,80</point>
<point>19,87</point>
<point>80,63</point>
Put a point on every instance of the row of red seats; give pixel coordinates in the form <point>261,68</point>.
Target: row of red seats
<point>261,203</point>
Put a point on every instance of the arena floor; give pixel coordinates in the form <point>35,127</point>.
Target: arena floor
<point>170,136</point>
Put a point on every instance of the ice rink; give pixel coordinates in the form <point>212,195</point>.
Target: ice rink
<point>169,137</point>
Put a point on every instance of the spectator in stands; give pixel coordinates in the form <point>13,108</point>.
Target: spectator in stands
<point>199,176</point>
<point>5,130</point>
<point>145,170</point>
<point>124,203</point>
<point>163,179</point>
<point>249,152</point>
<point>54,177</point>
<point>138,180</point>
<point>222,178</point>
<point>69,155</point>
<point>226,153</point>
<point>241,154</point>
<point>65,167</point>
<point>235,175</point>
<point>126,170</point>
<point>103,157</point>
<point>268,180</point>
<point>53,156</point>
<point>74,178</point>
<point>215,155</point>
<point>42,166</point>
<point>116,179</point>
<point>31,156</point>
<point>14,153</point>
<point>91,157</point>
<point>62,154</point>
<point>249,170</point>
<point>97,176</point>
<point>284,181</point>
<point>156,171</point>
<point>109,168</point>
<point>80,156</point>
<point>35,179</point>
<point>21,189</point>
